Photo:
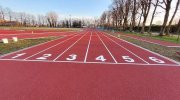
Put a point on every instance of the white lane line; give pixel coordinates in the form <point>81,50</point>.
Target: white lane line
<point>50,47</point>
<point>88,48</point>
<point>107,49</point>
<point>32,47</point>
<point>69,47</point>
<point>126,49</point>
<point>80,62</point>
<point>173,46</point>
<point>146,50</point>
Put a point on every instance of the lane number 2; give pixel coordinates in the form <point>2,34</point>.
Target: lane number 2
<point>44,57</point>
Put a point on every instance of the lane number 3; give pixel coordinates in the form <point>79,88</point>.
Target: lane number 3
<point>72,57</point>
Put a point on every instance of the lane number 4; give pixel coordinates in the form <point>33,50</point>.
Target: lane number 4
<point>101,58</point>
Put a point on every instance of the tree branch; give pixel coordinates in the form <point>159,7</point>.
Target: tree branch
<point>161,7</point>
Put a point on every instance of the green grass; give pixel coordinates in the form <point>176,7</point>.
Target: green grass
<point>167,38</point>
<point>172,39</point>
<point>21,44</point>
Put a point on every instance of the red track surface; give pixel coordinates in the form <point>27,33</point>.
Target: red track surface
<point>24,31</point>
<point>90,65</point>
<point>35,35</point>
<point>154,41</point>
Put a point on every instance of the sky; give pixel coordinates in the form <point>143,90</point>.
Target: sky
<point>76,8</point>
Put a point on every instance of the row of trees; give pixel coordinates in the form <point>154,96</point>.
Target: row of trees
<point>22,18</point>
<point>50,19</point>
<point>132,15</point>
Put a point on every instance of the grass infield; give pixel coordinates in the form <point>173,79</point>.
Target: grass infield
<point>21,44</point>
<point>172,38</point>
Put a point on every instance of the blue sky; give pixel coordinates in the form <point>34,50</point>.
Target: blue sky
<point>78,8</point>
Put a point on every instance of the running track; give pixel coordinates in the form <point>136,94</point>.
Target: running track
<point>35,35</point>
<point>89,65</point>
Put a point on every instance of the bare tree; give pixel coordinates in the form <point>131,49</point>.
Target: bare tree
<point>167,8</point>
<point>9,13</point>
<point>153,15</point>
<point>146,5</point>
<point>103,19</point>
<point>108,18</point>
<point>136,6</point>
<point>2,13</point>
<point>170,22</point>
<point>127,9</point>
<point>140,18</point>
<point>52,18</point>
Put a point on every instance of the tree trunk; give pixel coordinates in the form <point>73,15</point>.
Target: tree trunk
<point>133,16</point>
<point>145,15</point>
<point>149,30</point>
<point>163,28</point>
<point>143,26</point>
<point>178,30</point>
<point>139,21</point>
<point>169,26</point>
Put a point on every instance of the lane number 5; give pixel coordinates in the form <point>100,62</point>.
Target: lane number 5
<point>128,59</point>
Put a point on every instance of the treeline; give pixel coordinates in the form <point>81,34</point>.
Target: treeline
<point>9,17</point>
<point>132,15</point>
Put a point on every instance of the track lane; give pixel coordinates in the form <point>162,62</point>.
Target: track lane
<point>30,51</point>
<point>78,51</point>
<point>35,35</point>
<point>147,55</point>
<point>55,51</point>
<point>121,54</point>
<point>97,51</point>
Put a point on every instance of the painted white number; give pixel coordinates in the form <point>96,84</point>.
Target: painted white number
<point>156,60</point>
<point>18,55</point>
<point>72,57</point>
<point>128,59</point>
<point>44,57</point>
<point>101,58</point>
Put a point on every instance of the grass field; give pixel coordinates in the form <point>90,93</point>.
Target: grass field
<point>21,44</point>
<point>172,38</point>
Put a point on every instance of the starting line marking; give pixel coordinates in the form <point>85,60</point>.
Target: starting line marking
<point>81,62</point>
